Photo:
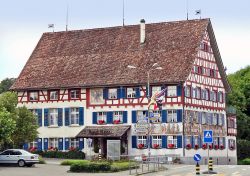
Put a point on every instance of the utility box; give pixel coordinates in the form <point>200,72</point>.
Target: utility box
<point>113,149</point>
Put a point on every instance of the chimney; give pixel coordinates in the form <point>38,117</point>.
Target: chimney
<point>142,31</point>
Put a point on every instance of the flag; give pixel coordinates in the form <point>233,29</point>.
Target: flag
<point>197,12</point>
<point>50,25</point>
<point>161,94</point>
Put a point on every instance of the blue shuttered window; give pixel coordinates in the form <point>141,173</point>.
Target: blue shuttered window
<point>105,93</point>
<point>81,116</point>
<point>60,145</point>
<point>125,117</point>
<point>179,90</point>
<point>66,144</point>
<point>134,117</point>
<point>60,117</point>
<point>164,141</point>
<point>179,141</point>
<point>164,116</point>
<point>39,114</point>
<point>192,141</point>
<point>94,117</point>
<point>200,141</point>
<point>25,146</point>
<point>137,92</point>
<point>45,143</point>
<point>46,117</point>
<point>134,142</point>
<point>81,143</point>
<point>109,117</point>
<point>39,144</point>
<point>66,110</point>
<point>179,115</point>
<point>119,93</point>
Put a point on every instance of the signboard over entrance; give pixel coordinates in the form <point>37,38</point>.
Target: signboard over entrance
<point>141,126</point>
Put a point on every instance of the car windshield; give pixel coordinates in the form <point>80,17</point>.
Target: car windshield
<point>25,152</point>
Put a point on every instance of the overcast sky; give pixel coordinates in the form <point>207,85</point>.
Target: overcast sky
<point>22,23</point>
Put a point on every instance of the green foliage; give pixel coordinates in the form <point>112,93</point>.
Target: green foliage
<point>26,127</point>
<point>59,154</point>
<point>70,162</point>
<point>6,84</point>
<point>41,160</point>
<point>243,147</point>
<point>246,161</point>
<point>123,165</point>
<point>93,166</point>
<point>8,100</point>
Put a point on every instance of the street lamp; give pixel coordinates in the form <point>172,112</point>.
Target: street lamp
<point>155,66</point>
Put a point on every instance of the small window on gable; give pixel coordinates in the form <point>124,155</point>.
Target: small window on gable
<point>112,93</point>
<point>156,89</point>
<point>188,93</point>
<point>171,92</point>
<point>131,92</point>
<point>33,96</point>
<point>53,95</point>
<point>75,94</point>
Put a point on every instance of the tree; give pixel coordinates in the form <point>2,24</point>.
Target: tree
<point>8,100</point>
<point>26,127</point>
<point>6,84</point>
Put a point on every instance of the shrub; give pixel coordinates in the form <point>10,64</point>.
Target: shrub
<point>70,162</point>
<point>246,161</point>
<point>41,160</point>
<point>243,149</point>
<point>91,167</point>
<point>74,154</point>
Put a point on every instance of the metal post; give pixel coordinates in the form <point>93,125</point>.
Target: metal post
<point>208,156</point>
<point>149,154</point>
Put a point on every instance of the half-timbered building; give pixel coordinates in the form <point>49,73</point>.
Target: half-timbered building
<point>79,85</point>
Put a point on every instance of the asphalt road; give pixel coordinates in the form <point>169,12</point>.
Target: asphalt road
<point>52,168</point>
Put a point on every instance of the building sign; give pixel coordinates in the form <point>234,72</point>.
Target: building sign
<point>141,126</point>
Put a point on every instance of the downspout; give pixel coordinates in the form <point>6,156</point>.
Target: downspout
<point>183,110</point>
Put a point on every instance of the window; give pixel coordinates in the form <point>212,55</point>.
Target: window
<point>33,96</point>
<point>216,141</point>
<point>193,92</point>
<point>73,143</point>
<point>53,143</point>
<point>171,91</point>
<point>212,73</point>
<point>172,116</point>
<point>188,93</point>
<point>172,141</point>
<point>195,117</point>
<point>34,111</point>
<point>101,117</point>
<point>214,119</point>
<point>188,140</point>
<point>203,118</point>
<point>196,140</point>
<point>221,118</point>
<point>221,141</point>
<point>112,94</point>
<point>156,141</point>
<point>198,92</point>
<point>206,94</point>
<point>74,115</point>
<point>141,115</point>
<point>131,92</point>
<point>53,95</point>
<point>231,144</point>
<point>117,117</point>
<point>142,140</point>
<point>220,97</point>
<point>155,89</point>
<point>157,117</point>
<point>196,69</point>
<point>33,144</point>
<point>211,95</point>
<point>75,94</point>
<point>53,117</point>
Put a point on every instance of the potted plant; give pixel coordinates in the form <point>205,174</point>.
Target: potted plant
<point>140,146</point>
<point>210,146</point>
<point>216,147</point>
<point>32,149</point>
<point>170,145</point>
<point>196,146</point>
<point>188,146</point>
<point>117,121</point>
<point>222,147</point>
<point>204,146</point>
<point>101,122</point>
<point>156,146</point>
<point>72,148</point>
<point>51,148</point>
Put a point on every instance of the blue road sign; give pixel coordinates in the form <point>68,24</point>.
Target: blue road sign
<point>208,136</point>
<point>197,157</point>
<point>151,114</point>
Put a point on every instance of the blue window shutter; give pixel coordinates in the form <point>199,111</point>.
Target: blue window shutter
<point>134,142</point>
<point>39,144</point>
<point>164,116</point>
<point>150,141</point>
<point>39,113</point>
<point>119,93</point>
<point>46,117</point>
<point>110,117</point>
<point>179,90</point>
<point>134,117</point>
<point>199,141</point>
<point>179,141</point>
<point>81,143</point>
<point>211,118</point>
<point>179,115</point>
<point>185,137</point>
<point>66,144</point>
<point>26,146</point>
<point>192,141</point>
<point>164,141</point>
<point>60,144</point>
<point>217,118</point>
<point>45,143</point>
<point>66,110</point>
<point>125,117</point>
<point>81,116</point>
<point>60,118</point>
<point>137,92</point>
<point>123,94</point>
<point>105,93</point>
<point>94,117</point>
<point>224,142</point>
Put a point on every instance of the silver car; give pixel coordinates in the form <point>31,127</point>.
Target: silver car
<point>18,156</point>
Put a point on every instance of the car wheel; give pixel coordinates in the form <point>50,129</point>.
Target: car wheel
<point>21,163</point>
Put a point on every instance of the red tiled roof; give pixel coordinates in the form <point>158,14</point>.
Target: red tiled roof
<point>99,57</point>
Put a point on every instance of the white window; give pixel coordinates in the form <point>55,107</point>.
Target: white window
<point>172,141</point>
<point>172,116</point>
<point>75,94</point>
<point>53,117</point>
<point>193,92</point>
<point>33,96</point>
<point>74,143</point>
<point>198,92</point>
<point>214,119</point>
<point>196,140</point>
<point>221,141</point>
<point>157,117</point>
<point>216,141</point>
<point>101,117</point>
<point>53,95</point>
<point>33,144</point>
<point>221,119</point>
<point>112,94</point>
<point>53,143</point>
<point>74,115</point>
<point>156,142</point>
<point>131,92</point>
<point>156,89</point>
<point>203,118</point>
<point>188,91</point>
<point>188,140</point>
<point>206,94</point>
<point>118,116</point>
<point>171,92</point>
<point>220,97</point>
<point>231,144</point>
<point>141,115</point>
<point>142,140</point>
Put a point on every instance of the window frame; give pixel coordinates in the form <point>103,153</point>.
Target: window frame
<point>118,115</point>
<point>73,115</point>
<point>155,89</point>
<point>102,115</point>
<point>75,142</point>
<point>142,140</point>
<point>203,118</point>
<point>75,94</point>
<point>132,91</point>
<point>188,91</point>
<point>54,116</point>
<point>142,116</point>
<point>156,113</point>
<point>111,93</point>
<point>54,141</point>
<point>157,140</point>
<point>29,96</point>
<point>173,118</point>
<point>49,95</point>
<point>172,90</point>
<point>172,139</point>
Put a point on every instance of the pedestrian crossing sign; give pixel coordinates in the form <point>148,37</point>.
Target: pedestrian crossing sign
<point>208,136</point>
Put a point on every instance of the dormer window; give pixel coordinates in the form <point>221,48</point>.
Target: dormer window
<point>74,94</point>
<point>33,96</point>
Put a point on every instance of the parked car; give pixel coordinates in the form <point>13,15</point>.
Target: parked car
<point>18,156</point>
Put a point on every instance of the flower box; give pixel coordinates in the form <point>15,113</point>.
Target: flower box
<point>231,148</point>
<point>196,146</point>
<point>204,146</point>
<point>188,146</point>
<point>170,145</point>
<point>210,146</point>
<point>72,148</point>
<point>156,146</point>
<point>140,146</point>
<point>32,149</point>
<point>101,122</point>
<point>216,147</point>
<point>222,147</point>
<point>116,121</point>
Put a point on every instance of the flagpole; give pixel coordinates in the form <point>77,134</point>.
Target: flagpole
<point>148,116</point>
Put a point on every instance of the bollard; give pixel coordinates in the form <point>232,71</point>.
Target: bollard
<point>210,164</point>
<point>197,168</point>
<point>99,156</point>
